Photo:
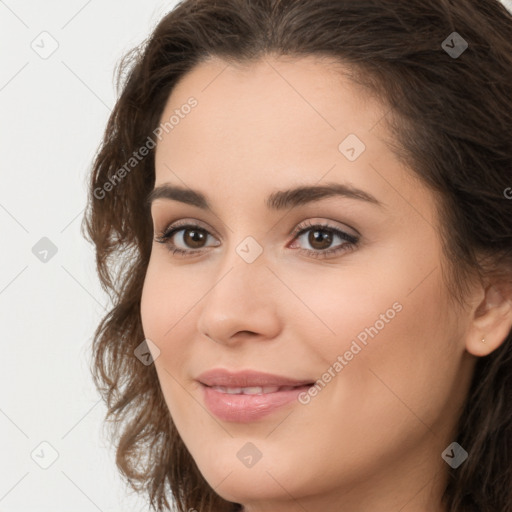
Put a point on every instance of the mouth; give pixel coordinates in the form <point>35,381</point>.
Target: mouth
<point>247,379</point>
<point>256,390</point>
<point>248,396</point>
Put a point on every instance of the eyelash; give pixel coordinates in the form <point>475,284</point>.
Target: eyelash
<point>350,240</point>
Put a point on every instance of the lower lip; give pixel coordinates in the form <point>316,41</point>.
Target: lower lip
<point>247,408</point>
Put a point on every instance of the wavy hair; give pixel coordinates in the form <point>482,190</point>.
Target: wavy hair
<point>451,121</point>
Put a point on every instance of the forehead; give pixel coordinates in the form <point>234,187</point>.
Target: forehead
<point>272,123</point>
<point>305,101</point>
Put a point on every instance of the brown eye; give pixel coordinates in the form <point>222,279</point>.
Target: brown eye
<point>320,239</point>
<point>194,238</point>
<point>185,239</point>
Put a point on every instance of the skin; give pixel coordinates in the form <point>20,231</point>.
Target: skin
<point>372,438</point>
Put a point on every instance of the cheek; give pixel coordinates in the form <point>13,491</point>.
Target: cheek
<point>380,343</point>
<point>388,391</point>
<point>167,302</point>
<point>165,322</point>
<point>341,308</point>
<point>407,360</point>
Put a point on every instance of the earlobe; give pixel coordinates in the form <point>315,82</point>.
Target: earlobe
<point>492,322</point>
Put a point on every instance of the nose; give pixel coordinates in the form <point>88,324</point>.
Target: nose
<point>241,304</point>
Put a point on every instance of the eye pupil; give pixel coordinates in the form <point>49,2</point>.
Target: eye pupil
<point>325,236</point>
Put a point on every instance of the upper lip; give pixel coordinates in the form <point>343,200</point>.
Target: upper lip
<point>247,378</point>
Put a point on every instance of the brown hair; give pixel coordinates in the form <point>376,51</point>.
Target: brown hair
<point>451,118</point>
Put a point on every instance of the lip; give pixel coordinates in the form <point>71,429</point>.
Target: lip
<point>247,378</point>
<point>245,408</point>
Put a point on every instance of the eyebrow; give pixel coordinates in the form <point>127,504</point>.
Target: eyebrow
<point>277,200</point>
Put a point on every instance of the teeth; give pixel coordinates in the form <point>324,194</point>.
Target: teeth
<point>259,390</point>
<point>255,390</point>
<point>233,391</point>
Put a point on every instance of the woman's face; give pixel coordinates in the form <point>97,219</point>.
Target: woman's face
<point>357,305</point>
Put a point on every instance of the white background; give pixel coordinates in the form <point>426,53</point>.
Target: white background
<point>52,114</point>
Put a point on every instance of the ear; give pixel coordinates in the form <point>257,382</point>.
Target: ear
<point>492,320</point>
